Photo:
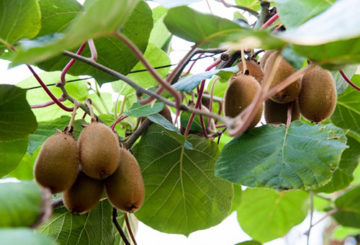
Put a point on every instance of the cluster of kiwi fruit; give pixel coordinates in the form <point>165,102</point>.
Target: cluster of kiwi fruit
<point>83,168</point>
<point>313,95</point>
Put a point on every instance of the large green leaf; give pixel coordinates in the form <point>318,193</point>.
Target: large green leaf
<point>21,204</point>
<point>295,13</point>
<point>266,214</point>
<point>35,96</point>
<point>112,13</point>
<point>21,236</point>
<point>159,34</point>
<point>11,153</point>
<point>111,51</point>
<point>348,205</point>
<point>25,169</point>
<point>57,15</point>
<point>138,110</point>
<point>19,19</point>
<point>48,128</point>
<point>302,156</point>
<point>347,112</point>
<point>16,118</point>
<point>343,175</point>
<point>94,227</point>
<point>182,193</point>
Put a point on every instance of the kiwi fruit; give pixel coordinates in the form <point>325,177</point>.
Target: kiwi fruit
<point>239,94</point>
<point>98,150</point>
<point>166,113</point>
<point>265,57</point>
<point>83,195</point>
<point>284,70</point>
<point>125,188</point>
<point>277,113</point>
<point>57,164</point>
<point>253,69</point>
<point>317,99</point>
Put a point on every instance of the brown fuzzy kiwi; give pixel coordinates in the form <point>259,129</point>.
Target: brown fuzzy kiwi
<point>265,57</point>
<point>99,150</point>
<point>57,164</point>
<point>277,113</point>
<point>317,99</point>
<point>83,195</point>
<point>125,188</point>
<point>284,70</point>
<point>166,113</point>
<point>253,68</point>
<point>239,95</point>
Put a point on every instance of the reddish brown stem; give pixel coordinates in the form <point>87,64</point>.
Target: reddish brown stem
<point>117,121</point>
<point>221,126</point>
<point>203,127</point>
<point>71,63</point>
<point>349,81</point>
<point>56,101</point>
<point>270,21</point>
<point>61,98</point>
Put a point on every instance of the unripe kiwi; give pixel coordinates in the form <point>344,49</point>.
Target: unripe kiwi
<point>83,195</point>
<point>125,188</point>
<point>99,150</point>
<point>57,164</point>
<point>265,57</point>
<point>284,70</point>
<point>277,113</point>
<point>240,94</point>
<point>166,113</point>
<point>317,99</point>
<point>254,70</point>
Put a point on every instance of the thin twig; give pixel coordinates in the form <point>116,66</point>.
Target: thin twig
<point>270,21</point>
<point>118,227</point>
<point>311,217</point>
<point>128,226</point>
<point>137,133</point>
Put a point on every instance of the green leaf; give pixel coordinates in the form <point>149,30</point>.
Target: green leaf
<point>11,153</point>
<point>189,83</point>
<point>112,13</point>
<point>138,110</point>
<point>206,30</point>
<point>159,34</point>
<point>57,15</point>
<point>249,243</point>
<point>329,26</point>
<point>349,208</point>
<point>19,19</point>
<point>294,13</point>
<point>118,56</point>
<point>252,4</point>
<point>341,84</point>
<point>347,112</point>
<point>48,128</point>
<point>94,227</point>
<point>16,118</point>
<point>343,175</point>
<point>236,199</point>
<point>341,233</point>
<point>36,96</point>
<point>182,193</point>
<point>24,170</point>
<point>21,236</point>
<point>302,156</point>
<point>266,214</point>
<point>21,204</point>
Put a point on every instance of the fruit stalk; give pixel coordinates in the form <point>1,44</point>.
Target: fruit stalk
<point>118,227</point>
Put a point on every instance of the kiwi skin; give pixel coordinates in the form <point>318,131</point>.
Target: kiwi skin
<point>284,70</point>
<point>264,58</point>
<point>239,94</point>
<point>317,99</point>
<point>99,150</point>
<point>125,188</point>
<point>57,164</point>
<point>253,69</point>
<point>83,195</point>
<point>277,113</point>
<point>166,113</point>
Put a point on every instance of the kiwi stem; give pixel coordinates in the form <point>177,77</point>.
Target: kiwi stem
<point>212,94</point>
<point>93,51</point>
<point>288,118</point>
<point>243,61</point>
<point>71,123</point>
<point>270,21</point>
<point>70,64</point>
<point>117,121</point>
<point>348,80</point>
<point>128,226</point>
<point>118,227</point>
<point>92,114</point>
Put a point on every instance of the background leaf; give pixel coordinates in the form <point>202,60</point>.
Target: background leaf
<point>24,170</point>
<point>191,197</point>
<point>266,214</point>
<point>303,156</point>
<point>11,153</point>
<point>138,110</point>
<point>349,208</point>
<point>21,236</point>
